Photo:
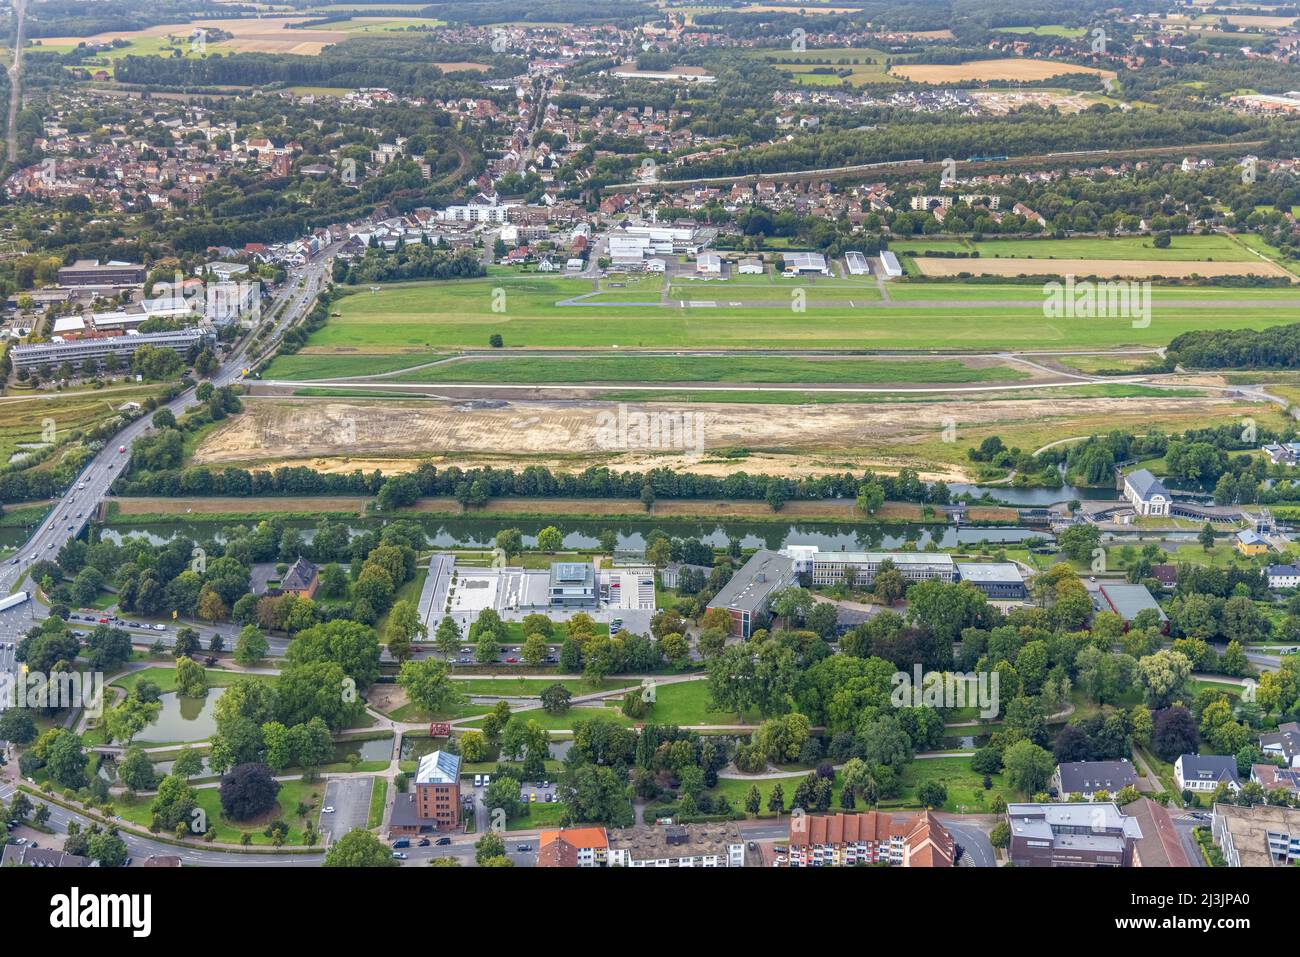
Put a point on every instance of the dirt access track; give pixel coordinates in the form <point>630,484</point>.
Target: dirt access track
<point>336,435</point>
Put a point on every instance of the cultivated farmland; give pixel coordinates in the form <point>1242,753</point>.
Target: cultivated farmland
<point>991,70</point>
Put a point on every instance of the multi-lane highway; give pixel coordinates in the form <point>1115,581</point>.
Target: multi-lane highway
<point>70,514</point>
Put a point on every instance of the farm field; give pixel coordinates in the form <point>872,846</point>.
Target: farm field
<point>457,315</point>
<point>1113,268</point>
<point>270,35</point>
<point>365,24</point>
<point>991,70</point>
<point>1053,30</point>
<point>1215,248</point>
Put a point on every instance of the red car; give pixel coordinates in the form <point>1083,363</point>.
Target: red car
<point>103,621</point>
<point>512,661</point>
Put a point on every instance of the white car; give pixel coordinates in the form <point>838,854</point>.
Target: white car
<point>327,810</point>
<point>159,627</point>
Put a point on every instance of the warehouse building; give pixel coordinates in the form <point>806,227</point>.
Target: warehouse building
<point>857,264</point>
<point>889,262</point>
<point>88,272</point>
<point>802,264</point>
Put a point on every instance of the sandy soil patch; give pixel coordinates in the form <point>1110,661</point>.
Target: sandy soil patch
<point>1011,68</point>
<point>1001,102</point>
<point>1113,268</point>
<point>336,435</point>
<point>461,66</point>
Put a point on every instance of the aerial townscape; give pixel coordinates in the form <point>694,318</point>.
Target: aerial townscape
<point>658,433</point>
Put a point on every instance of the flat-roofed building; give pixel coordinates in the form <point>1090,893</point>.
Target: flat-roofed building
<point>88,272</point>
<point>803,263</point>
<point>1001,581</point>
<point>889,263</point>
<point>831,568</point>
<point>747,595</point>
<point>681,845</point>
<point>124,347</point>
<point>1071,835</point>
<point>572,585</point>
<point>1260,836</point>
<point>856,263</point>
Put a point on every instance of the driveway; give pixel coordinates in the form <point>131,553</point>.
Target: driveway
<point>350,798</point>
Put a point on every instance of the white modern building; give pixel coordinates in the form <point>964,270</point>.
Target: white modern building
<point>1146,494</point>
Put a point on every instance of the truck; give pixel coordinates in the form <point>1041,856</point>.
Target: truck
<point>13,601</point>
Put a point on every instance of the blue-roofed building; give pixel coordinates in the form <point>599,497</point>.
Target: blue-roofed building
<point>1146,493</point>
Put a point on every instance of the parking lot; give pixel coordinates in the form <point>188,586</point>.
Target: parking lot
<point>350,798</point>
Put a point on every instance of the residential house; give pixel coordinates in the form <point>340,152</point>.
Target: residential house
<point>573,847</point>
<point>1282,576</point>
<point>1090,777</point>
<point>871,837</point>
<point>1202,773</point>
<point>1283,743</point>
<point>1271,778</point>
<point>28,856</point>
<point>1249,542</point>
<point>302,579</point>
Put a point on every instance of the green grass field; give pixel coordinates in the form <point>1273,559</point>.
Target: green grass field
<point>610,369</point>
<point>1181,248</point>
<point>292,793</point>
<point>1053,30</point>
<point>433,316</point>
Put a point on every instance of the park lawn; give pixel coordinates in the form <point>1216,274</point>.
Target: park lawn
<point>292,793</point>
<point>540,814</point>
<point>688,703</point>
<point>736,790</point>
<point>378,795</point>
<point>1052,30</point>
<point>1196,685</point>
<point>966,794</point>
<point>533,687</point>
<point>458,314</point>
<point>565,721</point>
<point>409,713</point>
<point>165,678</point>
<point>646,369</point>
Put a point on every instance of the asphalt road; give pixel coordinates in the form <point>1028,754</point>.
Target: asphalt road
<point>70,515</point>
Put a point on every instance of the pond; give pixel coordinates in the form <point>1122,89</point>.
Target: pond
<point>378,749</point>
<point>183,719</point>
